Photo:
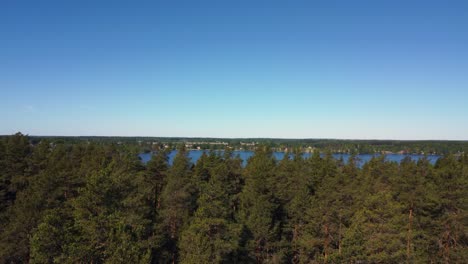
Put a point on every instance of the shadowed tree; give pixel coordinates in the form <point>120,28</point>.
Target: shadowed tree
<point>259,207</point>
<point>177,203</point>
<point>143,205</point>
<point>452,186</point>
<point>13,178</point>
<point>212,235</point>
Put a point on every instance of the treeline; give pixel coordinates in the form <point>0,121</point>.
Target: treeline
<point>97,203</point>
<point>439,147</point>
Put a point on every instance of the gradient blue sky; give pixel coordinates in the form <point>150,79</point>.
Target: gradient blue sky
<point>289,69</point>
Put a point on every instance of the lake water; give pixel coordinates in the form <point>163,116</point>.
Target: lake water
<point>194,155</point>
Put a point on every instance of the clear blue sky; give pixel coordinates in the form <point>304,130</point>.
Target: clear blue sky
<point>289,69</point>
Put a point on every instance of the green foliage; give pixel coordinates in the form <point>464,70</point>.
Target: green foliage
<point>377,232</point>
<point>212,235</point>
<point>452,185</point>
<point>258,208</point>
<point>15,152</point>
<point>177,202</point>
<point>210,240</point>
<point>49,238</point>
<point>72,201</point>
<point>143,206</point>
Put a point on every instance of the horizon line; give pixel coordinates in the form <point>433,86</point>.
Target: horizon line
<point>208,137</point>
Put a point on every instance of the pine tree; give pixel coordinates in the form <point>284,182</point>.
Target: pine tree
<point>377,233</point>
<point>293,187</point>
<point>452,186</point>
<point>412,188</point>
<point>177,203</point>
<point>212,236</point>
<point>53,233</point>
<point>99,218</point>
<point>41,191</point>
<point>16,151</point>
<point>259,207</point>
<point>143,205</point>
<point>329,214</point>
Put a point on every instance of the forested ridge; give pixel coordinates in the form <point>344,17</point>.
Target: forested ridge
<point>88,202</point>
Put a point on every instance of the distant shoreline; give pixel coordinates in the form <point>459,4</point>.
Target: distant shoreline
<point>349,146</point>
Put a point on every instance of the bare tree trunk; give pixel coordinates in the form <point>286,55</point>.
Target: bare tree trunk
<point>447,244</point>
<point>326,242</point>
<point>258,252</point>
<point>409,237</point>
<point>295,257</point>
<point>339,237</point>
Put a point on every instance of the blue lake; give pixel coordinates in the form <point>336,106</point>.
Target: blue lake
<point>194,155</point>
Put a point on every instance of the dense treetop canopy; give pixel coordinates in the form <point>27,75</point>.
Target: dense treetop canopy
<point>86,201</point>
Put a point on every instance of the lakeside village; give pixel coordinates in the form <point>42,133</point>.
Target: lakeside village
<point>149,146</point>
<point>337,146</point>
